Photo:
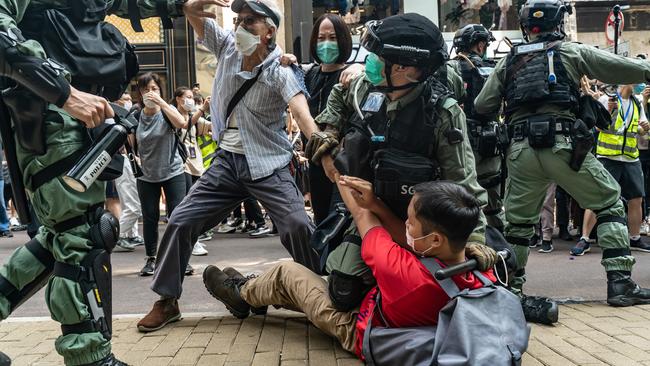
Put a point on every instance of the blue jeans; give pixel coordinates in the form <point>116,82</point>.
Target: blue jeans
<point>4,219</point>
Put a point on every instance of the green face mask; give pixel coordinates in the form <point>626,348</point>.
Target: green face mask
<point>374,68</point>
<point>327,51</point>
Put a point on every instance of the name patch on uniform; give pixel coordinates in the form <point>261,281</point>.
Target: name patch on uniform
<point>531,47</point>
<point>373,102</point>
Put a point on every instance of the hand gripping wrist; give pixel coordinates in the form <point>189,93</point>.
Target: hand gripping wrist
<point>320,144</point>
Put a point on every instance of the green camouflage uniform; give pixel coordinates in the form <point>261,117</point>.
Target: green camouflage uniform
<point>532,170</point>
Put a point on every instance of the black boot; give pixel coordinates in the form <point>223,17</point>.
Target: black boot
<point>109,360</point>
<point>4,360</point>
<point>623,291</point>
<point>235,274</point>
<point>226,289</point>
<point>539,309</point>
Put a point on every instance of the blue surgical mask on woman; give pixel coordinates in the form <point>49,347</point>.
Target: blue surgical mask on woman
<point>327,51</point>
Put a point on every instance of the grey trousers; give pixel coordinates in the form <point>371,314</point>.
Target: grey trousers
<point>212,198</point>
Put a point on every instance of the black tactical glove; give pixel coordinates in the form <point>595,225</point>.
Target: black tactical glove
<point>320,144</point>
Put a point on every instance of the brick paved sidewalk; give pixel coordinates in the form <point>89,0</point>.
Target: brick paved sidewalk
<point>588,334</point>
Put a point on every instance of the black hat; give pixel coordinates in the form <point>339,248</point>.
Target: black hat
<point>258,7</point>
<point>406,39</point>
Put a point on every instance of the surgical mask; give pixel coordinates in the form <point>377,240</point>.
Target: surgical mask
<point>374,68</point>
<point>410,241</point>
<point>638,88</point>
<point>128,105</point>
<point>327,51</point>
<point>245,41</point>
<point>188,104</point>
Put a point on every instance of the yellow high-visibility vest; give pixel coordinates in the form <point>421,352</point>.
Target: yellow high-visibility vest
<point>208,149</point>
<point>613,142</point>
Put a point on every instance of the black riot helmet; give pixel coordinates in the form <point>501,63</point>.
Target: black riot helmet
<point>471,34</point>
<point>406,39</point>
<point>544,16</point>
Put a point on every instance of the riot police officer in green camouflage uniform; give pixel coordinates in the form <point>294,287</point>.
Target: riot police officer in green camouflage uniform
<point>398,126</point>
<point>52,102</point>
<point>471,44</point>
<point>539,82</point>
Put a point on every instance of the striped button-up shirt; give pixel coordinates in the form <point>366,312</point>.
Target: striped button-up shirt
<point>261,113</point>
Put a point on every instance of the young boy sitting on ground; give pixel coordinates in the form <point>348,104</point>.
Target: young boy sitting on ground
<point>441,217</point>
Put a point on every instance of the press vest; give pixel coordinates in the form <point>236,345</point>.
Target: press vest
<point>529,82</point>
<point>613,142</point>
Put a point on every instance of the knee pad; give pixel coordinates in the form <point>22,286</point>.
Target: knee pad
<point>105,230</point>
<point>17,296</point>
<point>346,291</point>
<point>94,278</point>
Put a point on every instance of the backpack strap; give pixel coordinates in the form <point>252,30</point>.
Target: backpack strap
<point>448,285</point>
<point>486,281</point>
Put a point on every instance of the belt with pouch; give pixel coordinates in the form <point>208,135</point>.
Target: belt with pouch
<point>519,130</point>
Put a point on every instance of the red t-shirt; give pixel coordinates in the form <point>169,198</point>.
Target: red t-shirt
<point>410,296</point>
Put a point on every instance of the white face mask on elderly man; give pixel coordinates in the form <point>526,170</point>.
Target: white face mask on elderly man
<point>246,42</point>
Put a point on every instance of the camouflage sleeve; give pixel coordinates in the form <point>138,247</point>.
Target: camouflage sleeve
<point>149,8</point>
<point>604,66</point>
<point>457,159</point>
<point>489,99</point>
<point>11,13</point>
<point>455,82</point>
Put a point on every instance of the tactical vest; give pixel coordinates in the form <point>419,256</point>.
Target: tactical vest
<point>99,58</point>
<point>395,154</point>
<point>529,82</point>
<point>614,142</point>
<point>474,78</point>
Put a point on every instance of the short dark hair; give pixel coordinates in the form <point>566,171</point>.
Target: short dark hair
<point>448,208</point>
<point>146,78</point>
<point>198,98</point>
<point>343,38</point>
<point>179,93</point>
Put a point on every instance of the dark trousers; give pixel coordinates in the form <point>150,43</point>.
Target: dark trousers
<point>322,193</point>
<point>149,194</point>
<point>223,187</point>
<point>561,208</point>
<point>644,157</point>
<point>189,182</point>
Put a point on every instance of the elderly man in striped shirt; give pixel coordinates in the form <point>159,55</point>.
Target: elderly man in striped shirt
<point>249,97</point>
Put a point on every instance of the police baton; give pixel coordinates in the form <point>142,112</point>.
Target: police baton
<point>464,267</point>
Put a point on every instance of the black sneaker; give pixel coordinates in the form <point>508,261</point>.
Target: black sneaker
<point>125,245</point>
<point>534,241</point>
<point>547,246</point>
<point>226,289</point>
<point>539,309</point>
<point>136,240</point>
<point>623,291</point>
<point>18,227</point>
<point>639,245</point>
<point>235,274</point>
<point>249,228</point>
<point>260,232</point>
<point>149,267</point>
<point>7,234</point>
<point>581,247</point>
<point>109,360</point>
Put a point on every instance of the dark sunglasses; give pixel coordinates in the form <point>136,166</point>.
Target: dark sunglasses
<point>248,21</point>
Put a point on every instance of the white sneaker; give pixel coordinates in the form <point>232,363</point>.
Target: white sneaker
<point>645,228</point>
<point>199,249</point>
<point>14,222</point>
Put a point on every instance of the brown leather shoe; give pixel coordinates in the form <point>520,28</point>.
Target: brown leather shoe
<point>164,312</point>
